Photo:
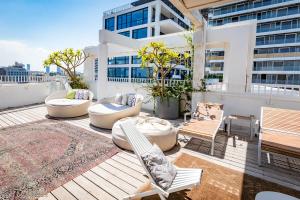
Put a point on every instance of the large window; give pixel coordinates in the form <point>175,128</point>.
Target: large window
<point>125,33</point>
<point>138,72</point>
<point>136,60</point>
<point>110,24</point>
<point>117,72</point>
<point>134,18</point>
<point>277,50</point>
<point>139,33</point>
<point>118,60</point>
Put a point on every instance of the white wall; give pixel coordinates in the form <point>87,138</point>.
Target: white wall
<point>246,103</point>
<point>15,95</point>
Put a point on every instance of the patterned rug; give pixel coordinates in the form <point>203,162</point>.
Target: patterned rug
<point>221,183</point>
<point>38,157</point>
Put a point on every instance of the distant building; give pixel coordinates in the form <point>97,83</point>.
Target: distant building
<point>18,69</point>
<point>59,71</point>
<point>28,67</point>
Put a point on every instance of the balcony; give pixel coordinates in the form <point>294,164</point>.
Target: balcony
<point>277,55</point>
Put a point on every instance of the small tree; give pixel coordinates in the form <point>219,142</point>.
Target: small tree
<point>68,60</point>
<point>163,60</point>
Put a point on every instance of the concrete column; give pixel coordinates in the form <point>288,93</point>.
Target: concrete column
<point>102,71</point>
<point>199,57</point>
<point>157,18</point>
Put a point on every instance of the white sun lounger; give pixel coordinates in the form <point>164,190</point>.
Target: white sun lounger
<point>186,178</point>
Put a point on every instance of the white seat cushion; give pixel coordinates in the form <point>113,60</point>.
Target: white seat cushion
<point>65,102</point>
<point>107,108</point>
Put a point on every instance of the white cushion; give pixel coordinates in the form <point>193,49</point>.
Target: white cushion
<point>107,108</point>
<point>118,98</point>
<point>124,99</point>
<point>65,102</point>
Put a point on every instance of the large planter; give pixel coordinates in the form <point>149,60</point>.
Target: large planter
<point>167,108</point>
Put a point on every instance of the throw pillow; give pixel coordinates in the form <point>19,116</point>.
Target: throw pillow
<point>79,94</point>
<point>161,170</point>
<point>118,99</point>
<point>86,94</point>
<point>70,94</point>
<point>131,100</point>
<point>124,99</point>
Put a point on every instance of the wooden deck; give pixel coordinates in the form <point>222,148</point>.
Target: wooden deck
<point>122,174</point>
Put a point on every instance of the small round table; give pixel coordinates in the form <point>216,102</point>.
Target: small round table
<point>268,195</point>
<point>158,131</point>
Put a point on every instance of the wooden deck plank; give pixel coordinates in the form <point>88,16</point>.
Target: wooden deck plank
<point>78,191</point>
<point>49,196</point>
<point>105,185</point>
<point>126,169</point>
<point>122,175</point>
<point>126,187</point>
<point>3,117</point>
<point>129,164</point>
<point>93,189</point>
<point>62,194</point>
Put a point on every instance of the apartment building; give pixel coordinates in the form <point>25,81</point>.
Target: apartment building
<point>277,52</point>
<point>140,19</point>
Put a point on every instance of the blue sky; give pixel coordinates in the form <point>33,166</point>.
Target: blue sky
<point>41,26</point>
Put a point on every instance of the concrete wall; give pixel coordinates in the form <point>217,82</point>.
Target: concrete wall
<point>15,95</point>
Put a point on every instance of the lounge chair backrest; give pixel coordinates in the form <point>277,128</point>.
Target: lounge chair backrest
<point>214,111</point>
<point>140,144</point>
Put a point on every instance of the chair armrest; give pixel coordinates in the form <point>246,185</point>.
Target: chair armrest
<point>185,115</point>
<point>256,127</point>
<point>107,100</point>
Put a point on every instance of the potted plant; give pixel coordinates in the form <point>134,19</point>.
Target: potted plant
<point>68,60</point>
<point>163,60</point>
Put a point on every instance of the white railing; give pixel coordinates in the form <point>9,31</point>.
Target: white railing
<point>273,89</point>
<point>141,80</point>
<point>115,79</point>
<point>29,79</point>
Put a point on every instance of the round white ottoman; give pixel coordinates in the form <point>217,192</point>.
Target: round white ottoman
<point>158,131</point>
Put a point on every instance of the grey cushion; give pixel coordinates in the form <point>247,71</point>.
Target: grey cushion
<point>161,170</point>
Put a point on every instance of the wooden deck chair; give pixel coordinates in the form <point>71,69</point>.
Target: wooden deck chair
<point>205,123</point>
<point>185,178</point>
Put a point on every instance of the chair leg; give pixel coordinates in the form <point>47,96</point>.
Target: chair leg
<point>141,194</point>
<point>162,197</point>
<point>259,151</point>
<point>212,147</point>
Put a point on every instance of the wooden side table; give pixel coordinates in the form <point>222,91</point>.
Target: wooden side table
<point>250,118</point>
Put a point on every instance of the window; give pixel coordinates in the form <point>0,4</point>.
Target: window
<point>281,12</point>
<point>125,33</point>
<point>139,33</point>
<point>290,38</point>
<point>118,60</point>
<point>138,72</point>
<point>117,72</point>
<point>110,24</point>
<point>134,18</point>
<point>136,60</point>
<point>96,64</point>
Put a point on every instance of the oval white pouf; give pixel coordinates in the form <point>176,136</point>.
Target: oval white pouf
<point>158,131</point>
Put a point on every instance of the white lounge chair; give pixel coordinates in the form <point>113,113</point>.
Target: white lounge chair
<point>185,178</point>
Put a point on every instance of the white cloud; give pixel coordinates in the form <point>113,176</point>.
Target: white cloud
<point>11,51</point>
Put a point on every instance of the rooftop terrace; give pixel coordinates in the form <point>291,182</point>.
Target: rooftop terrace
<point>122,174</point>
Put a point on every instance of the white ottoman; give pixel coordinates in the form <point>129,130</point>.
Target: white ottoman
<point>158,131</point>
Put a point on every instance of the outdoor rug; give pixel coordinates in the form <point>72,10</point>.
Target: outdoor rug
<point>38,157</point>
<point>221,183</point>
